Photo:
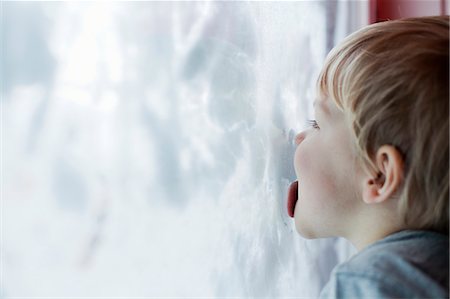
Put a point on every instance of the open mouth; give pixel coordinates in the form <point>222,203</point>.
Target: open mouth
<point>292,198</point>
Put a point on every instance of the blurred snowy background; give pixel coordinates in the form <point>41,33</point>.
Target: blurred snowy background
<point>147,147</point>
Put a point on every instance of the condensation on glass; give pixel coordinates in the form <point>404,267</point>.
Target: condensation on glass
<point>147,147</point>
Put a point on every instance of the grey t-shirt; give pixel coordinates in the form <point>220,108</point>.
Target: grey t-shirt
<point>407,264</point>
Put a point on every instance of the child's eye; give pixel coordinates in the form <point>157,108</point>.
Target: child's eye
<point>313,123</point>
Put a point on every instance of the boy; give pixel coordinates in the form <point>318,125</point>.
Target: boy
<point>374,166</point>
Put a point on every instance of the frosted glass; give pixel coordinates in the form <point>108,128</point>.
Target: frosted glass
<point>147,148</point>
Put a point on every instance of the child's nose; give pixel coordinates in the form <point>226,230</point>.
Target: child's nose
<point>299,138</point>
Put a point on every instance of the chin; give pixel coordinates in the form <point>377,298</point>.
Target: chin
<point>305,232</point>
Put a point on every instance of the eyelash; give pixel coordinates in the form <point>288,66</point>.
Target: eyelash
<point>313,123</point>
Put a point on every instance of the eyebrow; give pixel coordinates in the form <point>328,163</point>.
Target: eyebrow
<point>322,106</point>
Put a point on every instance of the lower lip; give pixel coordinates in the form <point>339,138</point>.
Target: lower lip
<point>292,198</point>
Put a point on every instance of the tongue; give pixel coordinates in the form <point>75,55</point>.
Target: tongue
<point>292,198</point>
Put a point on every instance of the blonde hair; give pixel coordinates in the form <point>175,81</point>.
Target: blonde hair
<point>391,80</point>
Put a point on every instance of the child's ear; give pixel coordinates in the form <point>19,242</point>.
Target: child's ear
<point>382,186</point>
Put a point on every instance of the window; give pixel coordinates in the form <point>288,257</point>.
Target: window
<point>147,147</point>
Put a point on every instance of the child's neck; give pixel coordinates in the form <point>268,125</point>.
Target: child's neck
<point>364,240</point>
<point>373,227</point>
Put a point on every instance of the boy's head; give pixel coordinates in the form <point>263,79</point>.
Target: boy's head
<point>382,112</point>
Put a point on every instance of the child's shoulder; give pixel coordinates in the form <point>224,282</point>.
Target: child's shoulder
<point>411,243</point>
<point>408,248</point>
<point>404,264</point>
